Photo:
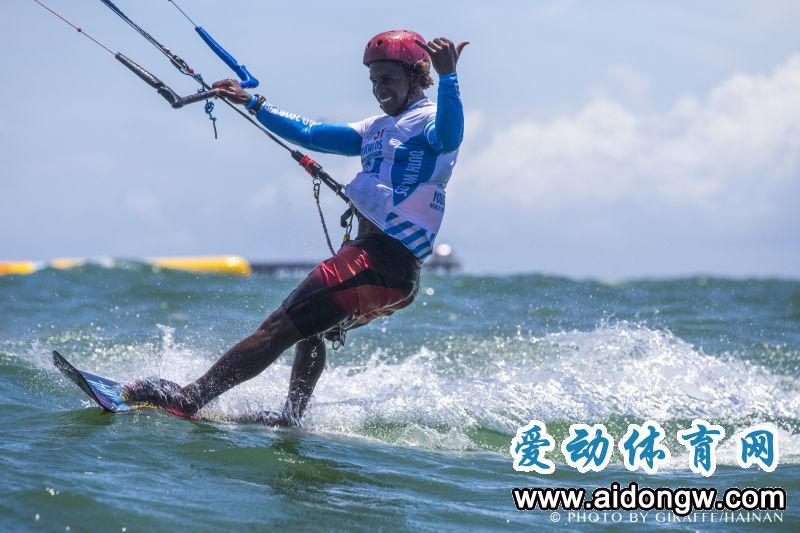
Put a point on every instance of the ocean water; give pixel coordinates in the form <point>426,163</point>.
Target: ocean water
<point>411,422</point>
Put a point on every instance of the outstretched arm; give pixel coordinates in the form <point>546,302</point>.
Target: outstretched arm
<point>319,136</point>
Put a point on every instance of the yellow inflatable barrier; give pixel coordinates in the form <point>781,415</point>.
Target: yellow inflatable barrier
<point>67,262</point>
<point>232,264</point>
<point>18,267</point>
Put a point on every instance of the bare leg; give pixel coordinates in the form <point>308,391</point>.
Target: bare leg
<point>248,358</point>
<point>309,362</point>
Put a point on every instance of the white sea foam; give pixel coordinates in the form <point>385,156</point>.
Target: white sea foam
<point>433,398</point>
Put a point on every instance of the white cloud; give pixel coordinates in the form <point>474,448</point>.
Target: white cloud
<point>736,151</point>
<point>709,185</point>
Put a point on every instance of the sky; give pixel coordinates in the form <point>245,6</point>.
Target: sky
<point>603,139</point>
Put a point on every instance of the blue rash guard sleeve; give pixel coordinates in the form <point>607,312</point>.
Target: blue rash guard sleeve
<point>318,136</point>
<point>445,133</point>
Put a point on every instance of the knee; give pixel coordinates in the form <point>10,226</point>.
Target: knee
<point>276,328</point>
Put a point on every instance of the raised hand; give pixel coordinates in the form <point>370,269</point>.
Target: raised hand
<point>444,54</point>
<point>231,90</point>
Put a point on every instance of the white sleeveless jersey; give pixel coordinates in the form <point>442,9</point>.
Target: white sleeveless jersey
<point>401,187</point>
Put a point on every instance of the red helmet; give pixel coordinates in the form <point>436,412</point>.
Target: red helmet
<point>395,45</point>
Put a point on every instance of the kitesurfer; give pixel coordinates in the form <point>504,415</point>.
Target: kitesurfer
<point>407,155</point>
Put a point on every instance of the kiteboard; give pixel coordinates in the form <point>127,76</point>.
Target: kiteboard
<point>105,392</point>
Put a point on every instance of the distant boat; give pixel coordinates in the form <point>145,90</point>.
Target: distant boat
<point>443,259</point>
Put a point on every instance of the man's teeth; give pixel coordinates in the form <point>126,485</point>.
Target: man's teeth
<point>384,100</point>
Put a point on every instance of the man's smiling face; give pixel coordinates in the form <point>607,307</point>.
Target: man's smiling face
<point>390,85</point>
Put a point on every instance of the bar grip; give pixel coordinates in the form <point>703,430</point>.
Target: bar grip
<point>169,95</point>
<point>140,71</point>
<point>192,98</point>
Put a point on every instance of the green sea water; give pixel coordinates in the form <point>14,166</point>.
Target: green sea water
<point>412,420</point>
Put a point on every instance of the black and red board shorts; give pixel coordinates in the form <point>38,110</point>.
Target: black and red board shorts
<point>371,276</point>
